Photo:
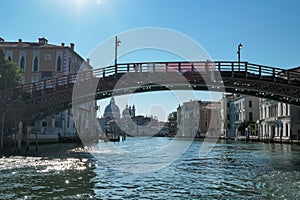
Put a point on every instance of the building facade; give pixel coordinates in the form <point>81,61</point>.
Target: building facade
<point>226,131</point>
<point>210,118</point>
<point>242,109</point>
<point>278,121</point>
<point>39,61</point>
<point>198,119</point>
<point>188,116</point>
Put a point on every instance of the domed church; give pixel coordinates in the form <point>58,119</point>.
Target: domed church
<point>128,112</point>
<point>112,111</point>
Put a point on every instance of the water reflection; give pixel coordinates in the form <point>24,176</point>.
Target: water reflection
<point>39,177</point>
<point>231,171</point>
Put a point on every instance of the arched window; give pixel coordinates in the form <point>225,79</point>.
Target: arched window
<point>35,64</point>
<point>44,124</point>
<point>58,64</point>
<point>9,58</point>
<point>22,63</point>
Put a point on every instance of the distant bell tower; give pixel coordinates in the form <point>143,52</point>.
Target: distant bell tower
<point>133,111</point>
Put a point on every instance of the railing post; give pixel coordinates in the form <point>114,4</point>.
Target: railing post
<point>179,67</point>
<point>259,72</point>
<point>44,87</point>
<point>128,68</point>
<point>288,76</point>
<point>33,88</point>
<point>103,72</point>
<point>192,67</point>
<point>219,66</point>
<point>273,74</point>
<point>246,70</point>
<point>116,70</point>
<point>68,81</point>
<point>56,83</point>
<point>232,69</point>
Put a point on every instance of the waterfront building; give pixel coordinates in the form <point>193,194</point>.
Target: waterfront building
<point>243,109</point>
<point>198,118</point>
<point>278,121</point>
<point>41,61</point>
<point>210,118</point>
<point>188,116</point>
<point>226,131</point>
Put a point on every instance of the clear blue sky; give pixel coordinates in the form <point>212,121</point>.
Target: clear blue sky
<point>268,29</point>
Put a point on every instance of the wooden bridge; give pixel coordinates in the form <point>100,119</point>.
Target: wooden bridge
<point>41,99</point>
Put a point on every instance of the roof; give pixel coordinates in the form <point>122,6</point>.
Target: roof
<point>29,44</point>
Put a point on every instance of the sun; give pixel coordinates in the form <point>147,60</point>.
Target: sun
<point>83,4</point>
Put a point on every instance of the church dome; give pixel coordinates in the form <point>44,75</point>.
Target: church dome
<point>126,112</point>
<point>112,110</point>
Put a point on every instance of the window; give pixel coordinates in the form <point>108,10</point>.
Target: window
<point>69,70</point>
<point>56,124</point>
<point>228,104</point>
<point>22,61</point>
<point>35,64</point>
<point>250,104</point>
<point>9,55</point>
<point>44,124</point>
<point>206,114</point>
<point>228,117</point>
<point>58,64</point>
<point>206,124</point>
<point>22,64</point>
<point>250,116</point>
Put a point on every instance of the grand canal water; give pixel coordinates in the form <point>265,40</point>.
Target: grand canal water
<point>230,171</point>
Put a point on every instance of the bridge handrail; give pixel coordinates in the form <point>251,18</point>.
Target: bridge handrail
<point>248,69</point>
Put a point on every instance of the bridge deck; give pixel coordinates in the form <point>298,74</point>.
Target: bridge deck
<point>239,77</point>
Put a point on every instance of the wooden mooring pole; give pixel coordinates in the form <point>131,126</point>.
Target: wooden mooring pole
<point>2,129</point>
<point>20,134</point>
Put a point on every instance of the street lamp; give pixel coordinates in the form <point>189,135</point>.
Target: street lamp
<point>239,54</point>
<point>117,43</point>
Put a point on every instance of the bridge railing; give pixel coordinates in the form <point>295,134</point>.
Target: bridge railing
<point>226,68</point>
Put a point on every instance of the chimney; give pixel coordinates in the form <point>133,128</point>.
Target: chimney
<point>72,46</point>
<point>62,44</point>
<point>20,42</point>
<point>43,40</point>
<point>88,61</point>
<point>1,40</point>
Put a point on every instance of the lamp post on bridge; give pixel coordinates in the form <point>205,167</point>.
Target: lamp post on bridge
<point>239,54</point>
<point>117,43</point>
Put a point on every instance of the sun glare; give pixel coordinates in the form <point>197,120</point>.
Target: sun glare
<point>76,6</point>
